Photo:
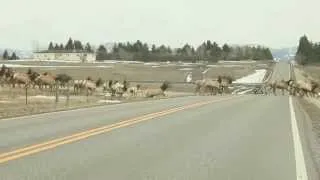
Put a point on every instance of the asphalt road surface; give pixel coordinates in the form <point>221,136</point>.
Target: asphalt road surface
<point>244,137</point>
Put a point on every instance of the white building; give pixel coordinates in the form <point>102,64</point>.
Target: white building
<point>75,56</point>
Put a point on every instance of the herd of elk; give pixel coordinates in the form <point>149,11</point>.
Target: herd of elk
<point>220,85</point>
<point>214,86</point>
<point>296,88</point>
<point>32,79</point>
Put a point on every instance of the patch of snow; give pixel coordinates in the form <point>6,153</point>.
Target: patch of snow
<point>117,61</point>
<point>248,61</point>
<point>109,101</point>
<point>229,65</point>
<point>132,62</point>
<point>57,66</point>
<point>21,60</point>
<point>152,64</point>
<point>171,64</point>
<point>256,77</point>
<point>5,102</point>
<point>155,66</point>
<point>53,60</point>
<point>205,71</point>
<point>187,64</point>
<point>106,62</point>
<point>44,97</point>
<point>243,92</point>
<point>186,69</point>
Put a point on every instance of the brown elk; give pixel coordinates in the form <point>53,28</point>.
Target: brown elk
<point>282,85</point>
<point>149,93</point>
<point>307,87</point>
<point>134,90</point>
<point>20,78</point>
<point>45,80</point>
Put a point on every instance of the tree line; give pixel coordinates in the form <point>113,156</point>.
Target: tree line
<point>71,45</point>
<point>307,52</point>
<point>6,56</point>
<point>139,51</point>
<point>207,51</point>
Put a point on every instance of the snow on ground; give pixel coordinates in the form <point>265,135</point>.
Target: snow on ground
<point>256,77</point>
<point>229,65</point>
<point>46,66</point>
<point>109,101</point>
<point>68,61</point>
<point>4,102</point>
<point>117,61</point>
<point>187,64</point>
<point>245,91</point>
<point>152,64</point>
<point>155,66</point>
<point>37,60</point>
<point>248,61</point>
<point>185,69</point>
<point>21,60</point>
<point>45,97</point>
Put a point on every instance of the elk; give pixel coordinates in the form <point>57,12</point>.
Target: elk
<point>149,93</point>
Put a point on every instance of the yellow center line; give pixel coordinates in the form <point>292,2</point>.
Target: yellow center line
<point>15,154</point>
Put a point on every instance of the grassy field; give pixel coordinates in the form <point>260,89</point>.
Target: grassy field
<point>13,100</point>
<point>141,72</point>
<point>311,71</point>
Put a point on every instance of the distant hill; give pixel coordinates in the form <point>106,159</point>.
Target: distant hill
<point>284,53</point>
<point>20,53</point>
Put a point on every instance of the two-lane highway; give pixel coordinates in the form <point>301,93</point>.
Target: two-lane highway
<point>221,137</point>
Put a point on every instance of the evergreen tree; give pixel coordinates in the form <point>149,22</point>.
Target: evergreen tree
<point>304,51</point>
<point>226,50</point>
<point>78,45</point>
<point>5,55</point>
<point>101,53</point>
<point>50,46</point>
<point>153,49</point>
<point>70,45</point>
<point>88,48</point>
<point>56,47</point>
<point>14,56</point>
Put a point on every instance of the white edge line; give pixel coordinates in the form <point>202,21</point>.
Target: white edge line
<point>301,171</point>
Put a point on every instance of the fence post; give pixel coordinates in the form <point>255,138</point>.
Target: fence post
<point>26,95</point>
<point>57,93</point>
<point>68,93</point>
<point>87,95</point>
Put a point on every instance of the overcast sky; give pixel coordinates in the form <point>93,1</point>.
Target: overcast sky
<point>273,23</point>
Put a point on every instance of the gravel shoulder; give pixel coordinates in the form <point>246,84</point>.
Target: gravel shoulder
<point>311,107</point>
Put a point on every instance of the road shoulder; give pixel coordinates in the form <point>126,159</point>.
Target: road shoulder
<point>308,120</point>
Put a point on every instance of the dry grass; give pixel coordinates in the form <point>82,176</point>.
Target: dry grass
<point>310,71</point>
<point>13,101</point>
<point>141,72</point>
<point>314,114</point>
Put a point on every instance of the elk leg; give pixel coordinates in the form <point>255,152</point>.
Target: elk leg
<point>274,90</point>
<point>197,89</point>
